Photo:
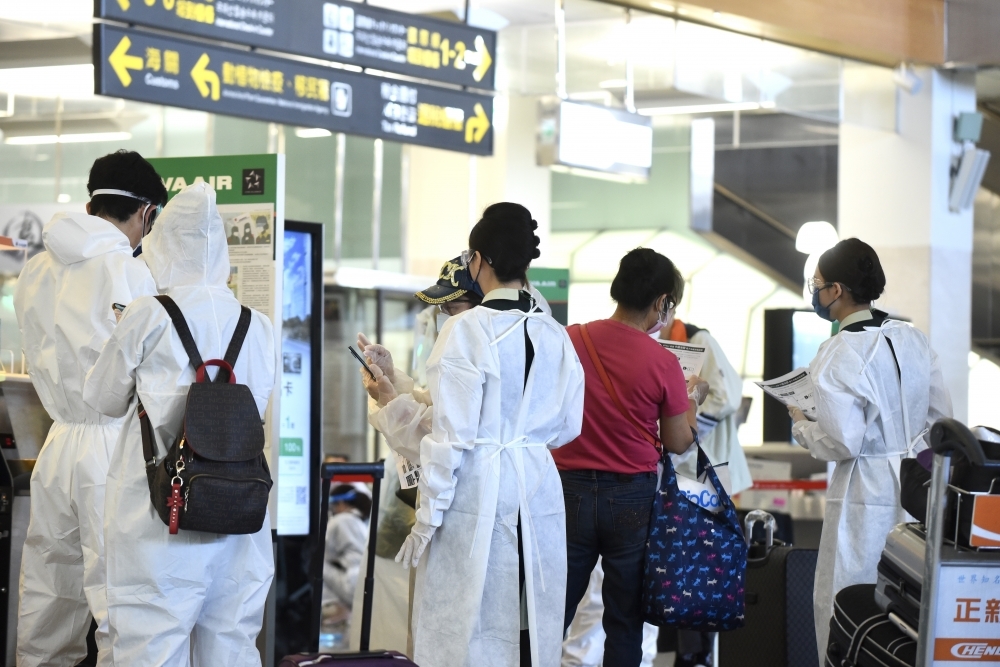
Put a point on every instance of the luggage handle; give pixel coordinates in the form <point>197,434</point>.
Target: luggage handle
<point>949,436</point>
<point>769,525</point>
<point>327,471</point>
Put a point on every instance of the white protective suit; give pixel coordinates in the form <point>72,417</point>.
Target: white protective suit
<point>486,463</point>
<point>199,595</point>
<point>63,304</point>
<point>861,426</point>
<point>717,418</point>
<point>346,538</point>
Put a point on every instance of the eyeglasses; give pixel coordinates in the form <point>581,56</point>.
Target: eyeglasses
<point>813,285</point>
<point>148,227</point>
<point>466,258</point>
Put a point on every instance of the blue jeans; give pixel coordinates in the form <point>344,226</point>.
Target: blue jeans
<point>607,515</point>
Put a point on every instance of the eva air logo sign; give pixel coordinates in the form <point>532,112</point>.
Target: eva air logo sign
<point>292,447</point>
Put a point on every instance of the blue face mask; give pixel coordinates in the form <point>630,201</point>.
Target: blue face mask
<point>821,310</point>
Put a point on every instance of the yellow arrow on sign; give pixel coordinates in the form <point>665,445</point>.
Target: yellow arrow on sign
<point>476,126</point>
<point>206,80</point>
<point>124,4</point>
<point>121,62</point>
<point>484,59</point>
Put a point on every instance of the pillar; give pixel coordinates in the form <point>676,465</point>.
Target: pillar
<point>893,194</point>
<point>442,184</point>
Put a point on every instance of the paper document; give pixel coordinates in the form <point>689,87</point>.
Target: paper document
<point>692,357</point>
<point>795,388</point>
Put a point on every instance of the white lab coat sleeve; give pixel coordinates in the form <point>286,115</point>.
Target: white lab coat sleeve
<point>572,402</point>
<point>111,382</point>
<point>457,383</point>
<point>404,422</point>
<point>725,391</point>
<point>939,401</point>
<point>838,433</point>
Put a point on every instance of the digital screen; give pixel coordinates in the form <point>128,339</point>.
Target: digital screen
<point>808,333</point>
<point>295,450</point>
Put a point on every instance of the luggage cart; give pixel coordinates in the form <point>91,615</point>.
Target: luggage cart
<point>960,601</point>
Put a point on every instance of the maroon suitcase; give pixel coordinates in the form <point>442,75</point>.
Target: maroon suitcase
<point>364,657</point>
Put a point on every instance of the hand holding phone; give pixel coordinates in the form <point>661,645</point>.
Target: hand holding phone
<point>361,361</point>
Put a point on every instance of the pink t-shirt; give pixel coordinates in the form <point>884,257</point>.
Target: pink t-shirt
<point>649,382</point>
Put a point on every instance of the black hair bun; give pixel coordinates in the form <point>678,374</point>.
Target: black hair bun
<point>854,264</point>
<point>505,235</point>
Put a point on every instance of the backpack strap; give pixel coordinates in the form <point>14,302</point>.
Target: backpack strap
<point>236,343</point>
<point>181,326</point>
<point>606,380</point>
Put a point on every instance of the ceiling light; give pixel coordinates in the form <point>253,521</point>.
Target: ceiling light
<point>716,15</point>
<point>312,132</point>
<point>703,108</point>
<point>63,198</point>
<point>67,138</point>
<point>816,237</point>
<point>663,6</point>
<point>66,81</point>
<point>613,83</point>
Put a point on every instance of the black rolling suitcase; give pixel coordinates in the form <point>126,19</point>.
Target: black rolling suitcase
<point>779,628</point>
<point>862,635</point>
<point>364,657</point>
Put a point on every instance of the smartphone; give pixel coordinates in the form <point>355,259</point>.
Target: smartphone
<point>361,360</point>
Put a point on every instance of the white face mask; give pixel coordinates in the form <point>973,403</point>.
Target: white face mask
<point>441,319</point>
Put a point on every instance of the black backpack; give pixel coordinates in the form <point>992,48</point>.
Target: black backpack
<point>215,478</point>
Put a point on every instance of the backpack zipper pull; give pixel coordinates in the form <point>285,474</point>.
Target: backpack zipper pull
<point>175,503</point>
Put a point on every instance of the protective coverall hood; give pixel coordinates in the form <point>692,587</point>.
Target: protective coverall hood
<point>74,237</point>
<point>187,246</point>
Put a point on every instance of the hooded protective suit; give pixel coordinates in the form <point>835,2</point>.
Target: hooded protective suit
<point>485,464</point>
<point>199,595</point>
<point>63,303</point>
<point>867,428</point>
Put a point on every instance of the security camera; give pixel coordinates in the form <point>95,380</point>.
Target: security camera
<point>904,77</point>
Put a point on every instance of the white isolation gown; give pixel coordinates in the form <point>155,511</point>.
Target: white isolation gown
<point>485,464</point>
<point>195,595</point>
<point>63,301</point>
<point>867,429</point>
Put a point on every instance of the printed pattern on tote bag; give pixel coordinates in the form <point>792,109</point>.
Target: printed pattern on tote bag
<point>696,561</point>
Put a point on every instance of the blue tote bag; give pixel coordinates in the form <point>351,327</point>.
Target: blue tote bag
<point>696,560</point>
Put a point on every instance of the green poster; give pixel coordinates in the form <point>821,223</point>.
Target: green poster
<point>554,286</point>
<point>237,179</point>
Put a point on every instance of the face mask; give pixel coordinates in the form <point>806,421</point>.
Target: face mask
<point>441,319</point>
<point>821,310</point>
<point>661,321</point>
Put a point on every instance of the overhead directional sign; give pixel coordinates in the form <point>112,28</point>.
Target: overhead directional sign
<point>176,72</point>
<point>343,31</point>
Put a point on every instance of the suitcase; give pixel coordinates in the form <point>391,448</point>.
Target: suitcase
<point>364,657</point>
<point>862,635</point>
<point>779,628</point>
<point>901,572</point>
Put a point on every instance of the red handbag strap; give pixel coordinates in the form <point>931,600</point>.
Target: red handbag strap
<point>592,351</point>
<point>224,366</point>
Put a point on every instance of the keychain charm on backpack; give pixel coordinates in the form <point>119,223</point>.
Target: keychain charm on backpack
<point>175,503</point>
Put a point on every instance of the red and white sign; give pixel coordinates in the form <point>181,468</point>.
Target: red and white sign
<point>967,628</point>
<point>986,522</point>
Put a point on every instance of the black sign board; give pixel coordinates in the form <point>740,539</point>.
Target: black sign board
<point>343,31</point>
<point>176,72</point>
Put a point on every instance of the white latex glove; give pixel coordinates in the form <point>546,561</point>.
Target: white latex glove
<point>414,545</point>
<point>697,389</point>
<point>796,414</point>
<point>378,355</point>
<point>386,392</point>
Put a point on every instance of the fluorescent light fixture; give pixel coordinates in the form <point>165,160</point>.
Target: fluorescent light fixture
<point>662,6</point>
<point>312,132</point>
<point>705,108</point>
<point>66,81</point>
<point>588,136</point>
<point>67,138</point>
<point>63,198</point>
<point>816,237</point>
<point>613,83</point>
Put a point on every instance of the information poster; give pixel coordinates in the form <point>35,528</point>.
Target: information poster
<point>967,623</point>
<point>250,194</point>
